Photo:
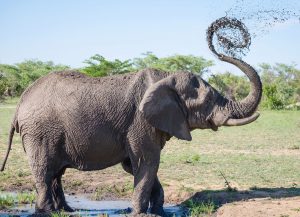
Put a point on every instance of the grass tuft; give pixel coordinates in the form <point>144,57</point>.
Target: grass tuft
<point>59,214</point>
<point>228,186</point>
<point>7,200</point>
<point>294,147</point>
<point>198,208</point>
<point>193,159</point>
<point>26,198</point>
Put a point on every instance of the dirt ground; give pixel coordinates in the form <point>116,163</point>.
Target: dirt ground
<point>258,202</point>
<point>267,207</point>
<point>264,202</point>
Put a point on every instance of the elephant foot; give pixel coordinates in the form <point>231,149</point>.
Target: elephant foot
<point>67,208</point>
<point>44,210</point>
<point>144,215</point>
<point>62,205</point>
<point>159,211</point>
<point>48,210</point>
<point>41,215</point>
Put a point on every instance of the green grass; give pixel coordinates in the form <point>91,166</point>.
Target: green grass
<point>264,154</point>
<point>197,209</point>
<point>6,201</point>
<point>10,200</point>
<point>59,214</point>
<point>26,198</point>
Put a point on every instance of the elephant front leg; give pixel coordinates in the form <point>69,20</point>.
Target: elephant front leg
<point>143,181</point>
<point>157,193</point>
<point>144,171</point>
<point>157,199</point>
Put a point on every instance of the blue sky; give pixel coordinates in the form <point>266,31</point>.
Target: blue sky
<point>69,32</point>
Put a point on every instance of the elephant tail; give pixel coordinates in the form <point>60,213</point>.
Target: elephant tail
<point>11,135</point>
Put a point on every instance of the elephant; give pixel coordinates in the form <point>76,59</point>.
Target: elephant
<point>69,120</point>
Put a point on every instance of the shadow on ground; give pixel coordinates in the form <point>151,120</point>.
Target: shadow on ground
<point>220,197</point>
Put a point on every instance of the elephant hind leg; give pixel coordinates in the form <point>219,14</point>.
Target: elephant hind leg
<point>44,166</point>
<point>44,201</point>
<point>60,202</point>
<point>42,171</point>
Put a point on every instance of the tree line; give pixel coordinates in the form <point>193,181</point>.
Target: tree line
<point>281,82</point>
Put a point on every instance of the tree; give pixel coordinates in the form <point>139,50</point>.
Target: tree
<point>18,77</point>
<point>281,85</point>
<point>31,70</point>
<point>3,84</point>
<point>232,86</point>
<point>98,66</point>
<point>9,79</point>
<point>188,63</point>
<point>148,61</point>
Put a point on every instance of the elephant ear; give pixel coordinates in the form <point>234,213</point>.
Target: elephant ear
<point>163,109</point>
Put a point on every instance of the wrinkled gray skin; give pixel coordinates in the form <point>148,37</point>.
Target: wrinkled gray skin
<point>69,120</point>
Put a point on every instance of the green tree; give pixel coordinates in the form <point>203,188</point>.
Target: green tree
<point>9,79</point>
<point>3,84</point>
<point>148,61</point>
<point>98,66</point>
<point>30,70</point>
<point>281,85</point>
<point>188,63</point>
<point>18,77</point>
<point>232,86</point>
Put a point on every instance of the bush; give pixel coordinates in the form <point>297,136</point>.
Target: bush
<point>271,99</point>
<point>281,85</point>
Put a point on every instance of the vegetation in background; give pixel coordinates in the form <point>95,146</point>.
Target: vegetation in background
<point>281,85</point>
<point>98,66</point>
<point>281,82</point>
<point>230,85</point>
<point>14,79</point>
<point>188,63</point>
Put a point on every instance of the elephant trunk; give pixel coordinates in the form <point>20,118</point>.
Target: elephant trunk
<point>242,112</point>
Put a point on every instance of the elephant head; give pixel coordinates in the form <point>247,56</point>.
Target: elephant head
<point>182,102</point>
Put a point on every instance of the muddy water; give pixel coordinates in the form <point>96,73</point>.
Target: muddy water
<point>86,207</point>
<point>261,16</point>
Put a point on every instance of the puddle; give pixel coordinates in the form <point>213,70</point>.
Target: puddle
<point>87,207</point>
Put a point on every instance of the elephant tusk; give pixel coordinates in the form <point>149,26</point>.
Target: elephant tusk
<point>243,121</point>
